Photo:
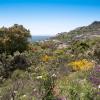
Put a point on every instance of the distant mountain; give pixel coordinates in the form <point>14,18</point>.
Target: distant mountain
<point>39,38</point>
<point>85,32</point>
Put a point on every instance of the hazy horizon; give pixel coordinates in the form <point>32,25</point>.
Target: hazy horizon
<point>49,17</point>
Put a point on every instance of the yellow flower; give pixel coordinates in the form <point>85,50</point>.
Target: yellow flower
<point>46,58</point>
<point>81,64</point>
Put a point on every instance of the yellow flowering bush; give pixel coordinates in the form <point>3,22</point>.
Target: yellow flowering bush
<point>81,65</point>
<point>46,58</point>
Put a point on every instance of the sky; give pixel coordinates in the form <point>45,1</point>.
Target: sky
<point>49,17</point>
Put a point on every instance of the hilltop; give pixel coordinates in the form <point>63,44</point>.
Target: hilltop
<point>85,32</point>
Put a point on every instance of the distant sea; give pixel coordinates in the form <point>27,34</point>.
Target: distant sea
<point>39,38</point>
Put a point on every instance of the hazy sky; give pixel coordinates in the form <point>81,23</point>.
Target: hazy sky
<point>49,17</point>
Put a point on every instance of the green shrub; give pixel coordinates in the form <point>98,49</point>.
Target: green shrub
<point>73,87</point>
<point>10,63</point>
<point>15,38</point>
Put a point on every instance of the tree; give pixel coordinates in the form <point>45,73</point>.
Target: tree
<point>15,38</point>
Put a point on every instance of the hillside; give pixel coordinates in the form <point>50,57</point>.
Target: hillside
<point>85,32</point>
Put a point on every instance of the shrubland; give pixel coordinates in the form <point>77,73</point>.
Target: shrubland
<point>42,71</point>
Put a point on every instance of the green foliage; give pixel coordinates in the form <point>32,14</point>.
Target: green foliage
<point>48,85</point>
<point>97,53</point>
<point>10,63</point>
<point>15,38</point>
<point>76,88</point>
<point>79,47</point>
